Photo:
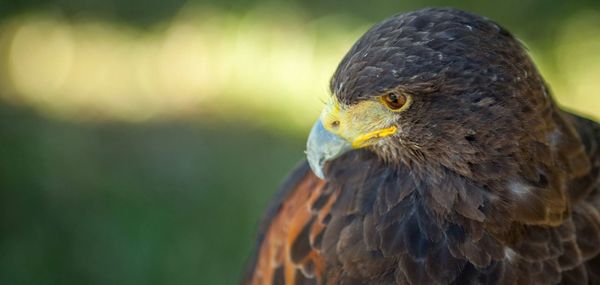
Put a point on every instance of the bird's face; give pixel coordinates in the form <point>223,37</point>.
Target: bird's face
<point>429,86</point>
<point>368,123</point>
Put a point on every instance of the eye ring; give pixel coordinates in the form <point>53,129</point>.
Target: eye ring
<point>395,101</point>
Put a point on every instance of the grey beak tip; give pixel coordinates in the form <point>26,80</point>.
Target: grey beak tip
<point>323,146</point>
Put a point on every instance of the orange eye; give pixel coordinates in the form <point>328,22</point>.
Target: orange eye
<point>394,100</point>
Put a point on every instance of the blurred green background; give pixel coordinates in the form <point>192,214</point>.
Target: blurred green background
<point>140,141</point>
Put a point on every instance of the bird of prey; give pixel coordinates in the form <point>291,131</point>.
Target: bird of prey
<point>440,158</point>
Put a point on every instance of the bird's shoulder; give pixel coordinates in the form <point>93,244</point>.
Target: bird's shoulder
<point>585,159</point>
<point>291,229</point>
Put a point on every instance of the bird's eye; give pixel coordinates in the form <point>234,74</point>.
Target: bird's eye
<point>394,100</point>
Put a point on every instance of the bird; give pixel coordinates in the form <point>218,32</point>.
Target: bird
<point>440,157</point>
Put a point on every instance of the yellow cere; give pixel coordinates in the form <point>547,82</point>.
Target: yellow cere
<point>362,141</point>
<point>359,123</point>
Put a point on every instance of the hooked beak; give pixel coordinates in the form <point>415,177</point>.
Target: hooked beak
<point>323,146</point>
<point>341,129</point>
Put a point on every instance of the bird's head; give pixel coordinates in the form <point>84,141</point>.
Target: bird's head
<point>435,86</point>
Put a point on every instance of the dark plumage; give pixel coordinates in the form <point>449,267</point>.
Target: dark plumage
<point>485,181</point>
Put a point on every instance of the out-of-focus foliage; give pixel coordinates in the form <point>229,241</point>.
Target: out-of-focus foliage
<point>172,202</point>
<point>141,140</point>
<point>273,60</point>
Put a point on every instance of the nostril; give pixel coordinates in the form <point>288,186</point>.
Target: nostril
<point>335,124</point>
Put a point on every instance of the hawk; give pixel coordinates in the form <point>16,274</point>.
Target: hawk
<point>440,158</point>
